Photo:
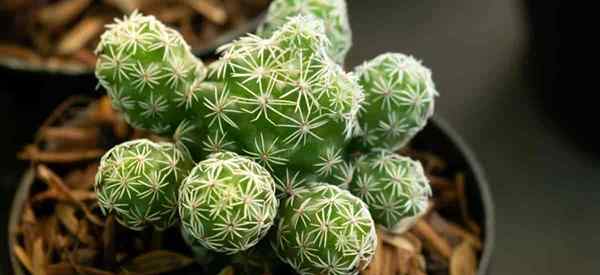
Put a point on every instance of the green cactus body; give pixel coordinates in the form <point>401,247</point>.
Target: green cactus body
<point>283,101</point>
<point>149,72</point>
<point>333,13</point>
<point>323,229</point>
<point>227,203</point>
<point>394,187</point>
<point>138,181</point>
<point>399,99</point>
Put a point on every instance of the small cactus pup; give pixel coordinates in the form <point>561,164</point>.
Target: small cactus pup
<point>399,99</point>
<point>227,203</point>
<point>283,101</point>
<point>138,182</point>
<point>325,230</point>
<point>394,187</point>
<point>333,13</point>
<point>149,72</point>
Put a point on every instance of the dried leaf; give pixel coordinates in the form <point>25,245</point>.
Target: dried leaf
<point>23,257</point>
<point>32,153</point>
<point>62,12</point>
<point>441,245</point>
<point>210,9</point>
<point>108,242</point>
<point>463,260</point>
<point>453,231</point>
<point>70,134</point>
<point>39,258</point>
<point>156,262</point>
<point>81,34</point>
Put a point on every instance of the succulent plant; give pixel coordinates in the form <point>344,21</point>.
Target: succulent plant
<point>283,101</point>
<point>394,187</point>
<point>323,229</point>
<point>333,13</point>
<point>149,72</point>
<point>227,203</point>
<point>399,99</point>
<point>138,182</point>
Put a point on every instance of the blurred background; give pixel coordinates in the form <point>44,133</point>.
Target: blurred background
<point>506,87</point>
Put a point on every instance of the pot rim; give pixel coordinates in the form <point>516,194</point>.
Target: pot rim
<point>470,159</point>
<point>78,70</point>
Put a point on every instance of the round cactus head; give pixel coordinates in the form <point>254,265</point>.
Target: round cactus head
<point>323,229</point>
<point>283,101</point>
<point>227,203</point>
<point>399,99</point>
<point>138,181</point>
<point>333,13</point>
<point>148,71</point>
<point>394,187</point>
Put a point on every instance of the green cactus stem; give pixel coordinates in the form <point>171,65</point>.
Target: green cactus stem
<point>227,203</point>
<point>138,182</point>
<point>283,101</point>
<point>399,99</point>
<point>149,72</point>
<point>394,187</point>
<point>333,13</point>
<point>325,230</point>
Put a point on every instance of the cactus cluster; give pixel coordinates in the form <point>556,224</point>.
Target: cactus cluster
<point>333,14</point>
<point>272,120</point>
<point>227,203</point>
<point>399,95</point>
<point>149,72</point>
<point>325,230</point>
<point>138,181</point>
<point>394,187</point>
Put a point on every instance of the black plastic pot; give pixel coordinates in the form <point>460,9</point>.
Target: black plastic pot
<point>437,137</point>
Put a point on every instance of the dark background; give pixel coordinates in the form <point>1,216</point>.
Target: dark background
<point>507,85</point>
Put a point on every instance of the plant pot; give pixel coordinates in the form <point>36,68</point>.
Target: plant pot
<point>437,138</point>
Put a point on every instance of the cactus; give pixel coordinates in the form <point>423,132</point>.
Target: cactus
<point>283,101</point>
<point>138,181</point>
<point>394,187</point>
<point>325,230</point>
<point>227,203</point>
<point>333,13</point>
<point>149,72</point>
<point>399,99</point>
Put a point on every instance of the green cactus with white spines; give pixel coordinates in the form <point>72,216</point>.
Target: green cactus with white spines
<point>283,101</point>
<point>333,13</point>
<point>399,99</point>
<point>149,72</point>
<point>138,181</point>
<point>227,203</point>
<point>394,187</point>
<point>323,229</point>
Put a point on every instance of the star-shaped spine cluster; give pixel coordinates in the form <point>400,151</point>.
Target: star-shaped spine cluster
<point>323,229</point>
<point>227,203</point>
<point>394,187</point>
<point>138,182</point>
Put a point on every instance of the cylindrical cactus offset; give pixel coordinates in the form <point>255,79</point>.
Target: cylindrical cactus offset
<point>333,13</point>
<point>283,101</point>
<point>227,203</point>
<point>149,72</point>
<point>323,229</point>
<point>394,187</point>
<point>138,181</point>
<point>399,99</point>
